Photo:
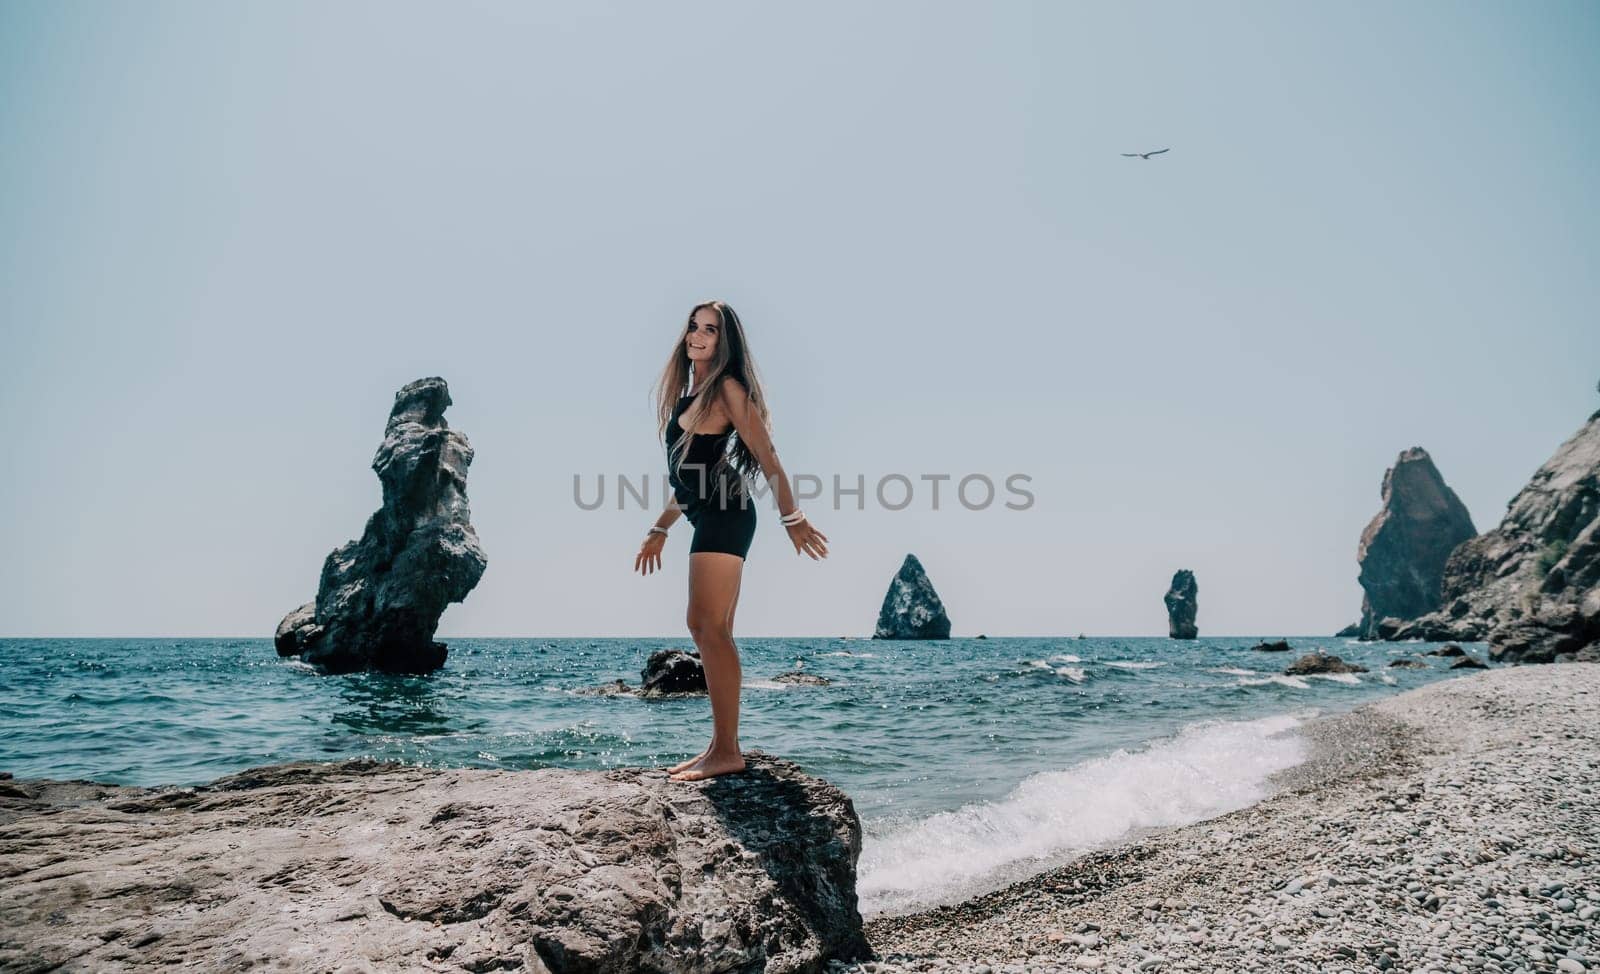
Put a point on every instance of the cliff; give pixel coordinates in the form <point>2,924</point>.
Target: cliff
<point>1404,548</point>
<point>1531,586</point>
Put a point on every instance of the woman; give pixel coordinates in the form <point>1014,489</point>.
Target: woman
<point>713,418</point>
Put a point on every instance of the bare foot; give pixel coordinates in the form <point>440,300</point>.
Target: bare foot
<point>711,765</point>
<point>688,761</point>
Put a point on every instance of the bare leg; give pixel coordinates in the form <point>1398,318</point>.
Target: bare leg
<point>714,579</point>
<point>690,762</point>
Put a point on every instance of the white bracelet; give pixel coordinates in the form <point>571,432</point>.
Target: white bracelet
<point>793,517</point>
<point>656,529</point>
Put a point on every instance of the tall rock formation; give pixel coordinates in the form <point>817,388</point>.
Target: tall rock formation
<point>1183,605</point>
<point>1405,546</point>
<point>380,598</point>
<point>1531,587</point>
<point>911,608</point>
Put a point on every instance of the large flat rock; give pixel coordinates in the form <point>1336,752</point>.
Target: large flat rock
<point>364,865</point>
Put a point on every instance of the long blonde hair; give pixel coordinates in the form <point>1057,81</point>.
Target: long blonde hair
<point>732,358</point>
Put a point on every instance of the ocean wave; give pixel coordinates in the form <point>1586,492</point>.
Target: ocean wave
<point>1279,679</point>
<point>1233,671</point>
<point>1066,658</point>
<point>1349,678</point>
<point>1206,770</point>
<point>1128,664</point>
<point>846,652</point>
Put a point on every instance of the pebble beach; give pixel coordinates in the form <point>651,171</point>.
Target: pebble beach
<point>1450,828</point>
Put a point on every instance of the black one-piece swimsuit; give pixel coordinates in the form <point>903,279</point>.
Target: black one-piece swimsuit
<point>724,518</point>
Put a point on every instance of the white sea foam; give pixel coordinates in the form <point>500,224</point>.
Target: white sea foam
<point>1066,658</point>
<point>1208,769</point>
<point>1234,671</point>
<point>1076,674</point>
<point>1278,678</point>
<point>1350,678</point>
<point>846,652</point>
<point>1387,678</point>
<point>1128,664</point>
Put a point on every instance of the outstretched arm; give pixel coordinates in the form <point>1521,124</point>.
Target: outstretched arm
<point>649,557</point>
<point>753,432</point>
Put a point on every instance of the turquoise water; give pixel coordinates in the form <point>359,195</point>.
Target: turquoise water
<point>1005,753</point>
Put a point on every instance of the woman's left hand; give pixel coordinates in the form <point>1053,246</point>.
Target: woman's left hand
<point>808,539</point>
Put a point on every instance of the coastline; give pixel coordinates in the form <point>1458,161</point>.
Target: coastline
<point>1451,827</point>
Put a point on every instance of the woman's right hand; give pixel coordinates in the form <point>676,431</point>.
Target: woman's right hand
<point>808,540</point>
<point>649,557</point>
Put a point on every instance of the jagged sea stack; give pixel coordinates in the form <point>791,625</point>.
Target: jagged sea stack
<point>1531,586</point>
<point>380,598</point>
<point>911,608</point>
<point>1183,606</point>
<point>1404,548</point>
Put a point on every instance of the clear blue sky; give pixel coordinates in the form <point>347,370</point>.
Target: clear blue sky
<point>231,231</point>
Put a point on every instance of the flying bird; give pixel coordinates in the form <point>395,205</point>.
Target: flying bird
<point>1146,155</point>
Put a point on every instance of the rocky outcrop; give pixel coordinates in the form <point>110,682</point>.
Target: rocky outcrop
<point>1408,664</point>
<point>1183,606</point>
<point>1317,661</point>
<point>1404,548</point>
<point>672,673</point>
<point>360,865</point>
<point>911,608</point>
<point>380,598</point>
<point>296,630</point>
<point>668,673</point>
<point>1531,587</point>
<point>1351,631</point>
<point>1446,651</point>
<point>1469,663</point>
<point>1278,646</point>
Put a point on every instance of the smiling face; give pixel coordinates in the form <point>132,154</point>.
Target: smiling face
<point>705,331</point>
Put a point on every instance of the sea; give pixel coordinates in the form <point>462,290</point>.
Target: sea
<point>972,762</point>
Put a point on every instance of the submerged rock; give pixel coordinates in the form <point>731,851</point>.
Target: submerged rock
<point>1408,664</point>
<point>672,673</point>
<point>911,608</point>
<point>1468,663</point>
<point>1404,548</point>
<point>380,598</point>
<point>1531,586</point>
<point>1317,661</point>
<point>358,865</point>
<point>800,678</point>
<point>1279,646</point>
<point>1446,651</point>
<point>1183,605</point>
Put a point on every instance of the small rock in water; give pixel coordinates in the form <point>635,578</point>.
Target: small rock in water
<point>1317,661</point>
